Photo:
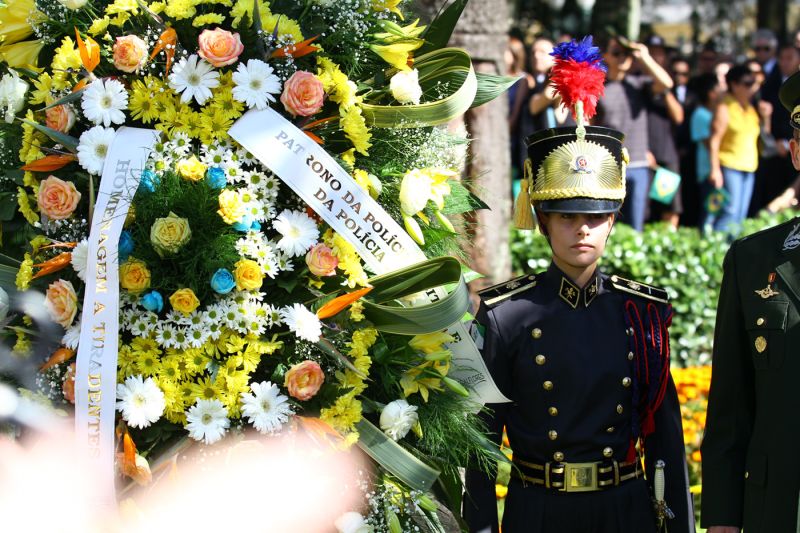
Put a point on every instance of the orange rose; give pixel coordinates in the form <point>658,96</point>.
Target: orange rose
<point>60,118</point>
<point>62,302</point>
<point>57,198</point>
<point>219,47</point>
<point>130,53</point>
<point>303,94</point>
<point>304,380</point>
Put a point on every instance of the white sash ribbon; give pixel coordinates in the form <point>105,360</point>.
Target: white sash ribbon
<point>96,366</point>
<point>383,245</point>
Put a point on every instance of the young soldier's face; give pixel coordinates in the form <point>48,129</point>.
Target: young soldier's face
<point>578,239</point>
<point>794,148</point>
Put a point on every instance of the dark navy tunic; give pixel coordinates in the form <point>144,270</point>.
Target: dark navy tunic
<point>569,358</point>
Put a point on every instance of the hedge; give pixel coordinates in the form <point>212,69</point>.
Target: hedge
<point>685,262</point>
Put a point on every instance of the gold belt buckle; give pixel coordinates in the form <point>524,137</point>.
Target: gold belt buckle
<point>580,477</point>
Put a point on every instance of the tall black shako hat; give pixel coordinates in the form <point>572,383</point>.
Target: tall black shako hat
<point>790,98</point>
<point>574,169</point>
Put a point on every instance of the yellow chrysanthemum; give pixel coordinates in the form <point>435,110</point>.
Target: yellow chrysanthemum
<point>157,7</point>
<point>25,273</point>
<point>343,414</point>
<point>208,19</point>
<point>226,105</point>
<point>214,125</point>
<point>349,261</point>
<point>172,396</point>
<point>356,311</point>
<point>23,200</point>
<point>206,389</point>
<point>99,25</point>
<point>141,102</point>
<point>31,141</point>
<point>42,89</point>
<point>123,6</point>
<point>336,84</point>
<point>244,8</point>
<point>126,362</point>
<point>196,361</point>
<point>286,27</point>
<point>22,348</point>
<point>180,9</point>
<point>355,129</point>
<point>349,157</point>
<point>37,243</point>
<point>66,58</point>
<point>147,363</point>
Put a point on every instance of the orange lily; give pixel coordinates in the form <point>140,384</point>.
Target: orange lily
<point>53,265</point>
<point>312,125</point>
<point>59,356</point>
<point>89,50</point>
<point>298,50</point>
<point>50,163</point>
<point>340,303</point>
<point>60,245</point>
<point>131,464</point>
<point>168,37</point>
<point>80,85</point>
<point>319,430</point>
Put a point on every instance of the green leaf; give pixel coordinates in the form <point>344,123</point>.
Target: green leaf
<point>490,86</point>
<point>461,200</point>
<point>438,33</point>
<point>71,97</point>
<point>7,205</point>
<point>448,70</point>
<point>69,142</point>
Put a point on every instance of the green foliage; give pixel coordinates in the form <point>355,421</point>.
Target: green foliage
<point>684,262</point>
<point>211,246</point>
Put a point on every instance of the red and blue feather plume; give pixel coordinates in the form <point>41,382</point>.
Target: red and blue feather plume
<point>578,75</point>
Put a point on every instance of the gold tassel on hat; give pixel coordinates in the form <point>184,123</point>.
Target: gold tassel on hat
<point>523,214</point>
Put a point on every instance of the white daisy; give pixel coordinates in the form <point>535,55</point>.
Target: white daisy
<point>181,143</point>
<point>140,401</point>
<point>104,101</point>
<point>302,322</point>
<point>72,336</point>
<point>165,334</point>
<point>273,315</point>
<point>299,232</point>
<point>80,255</point>
<point>255,84</point>
<point>197,337</point>
<point>194,78</point>
<point>141,328</point>
<point>207,421</point>
<point>270,186</point>
<point>93,147</point>
<point>214,331</point>
<point>267,409</point>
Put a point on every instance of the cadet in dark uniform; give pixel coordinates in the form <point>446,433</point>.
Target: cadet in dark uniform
<point>751,464</point>
<point>584,358</point>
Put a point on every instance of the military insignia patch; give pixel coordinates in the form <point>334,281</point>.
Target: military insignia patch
<point>761,344</point>
<point>796,116</point>
<point>634,287</point>
<point>793,239</point>
<point>582,164</point>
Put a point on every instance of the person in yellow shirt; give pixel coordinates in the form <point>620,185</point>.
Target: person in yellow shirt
<point>733,147</point>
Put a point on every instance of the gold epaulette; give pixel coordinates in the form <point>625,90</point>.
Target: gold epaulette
<point>640,289</point>
<point>497,293</point>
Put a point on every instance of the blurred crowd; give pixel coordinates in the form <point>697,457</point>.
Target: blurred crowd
<point>707,136</point>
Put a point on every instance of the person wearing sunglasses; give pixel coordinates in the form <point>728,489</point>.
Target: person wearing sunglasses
<point>733,147</point>
<point>765,46</point>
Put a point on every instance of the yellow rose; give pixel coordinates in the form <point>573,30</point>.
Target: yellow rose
<point>134,276</point>
<point>169,234</point>
<point>191,169</point>
<point>248,274</point>
<point>231,208</point>
<point>184,300</point>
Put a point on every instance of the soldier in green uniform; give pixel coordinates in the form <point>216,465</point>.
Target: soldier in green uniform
<point>751,465</point>
<point>584,358</point>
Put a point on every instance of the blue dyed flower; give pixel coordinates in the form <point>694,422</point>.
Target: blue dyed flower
<point>125,246</point>
<point>152,301</point>
<point>149,181</point>
<point>222,281</point>
<point>255,226</point>
<point>216,178</point>
<point>244,225</point>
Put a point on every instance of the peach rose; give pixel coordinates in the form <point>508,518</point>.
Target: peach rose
<point>303,94</point>
<point>62,302</point>
<point>304,380</point>
<point>219,47</point>
<point>60,118</point>
<point>321,261</point>
<point>130,53</point>
<point>57,198</point>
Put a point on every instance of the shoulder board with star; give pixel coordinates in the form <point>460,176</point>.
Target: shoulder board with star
<point>640,289</point>
<point>495,294</point>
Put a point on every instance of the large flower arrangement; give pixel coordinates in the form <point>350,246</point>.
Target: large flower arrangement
<point>240,309</point>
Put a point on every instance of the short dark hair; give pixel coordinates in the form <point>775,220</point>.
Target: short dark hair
<point>703,85</point>
<point>737,73</point>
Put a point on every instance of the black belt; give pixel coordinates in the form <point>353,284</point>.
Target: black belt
<point>577,477</point>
